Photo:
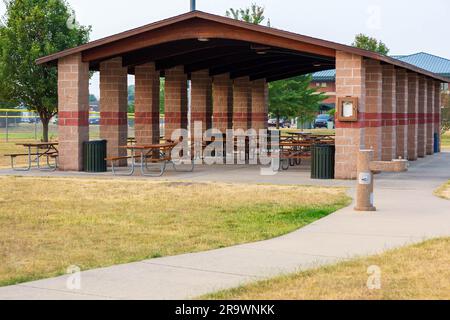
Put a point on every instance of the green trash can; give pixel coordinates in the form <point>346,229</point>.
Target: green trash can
<point>94,154</point>
<point>322,164</point>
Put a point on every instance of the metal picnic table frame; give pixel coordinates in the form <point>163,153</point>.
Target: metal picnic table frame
<point>157,153</point>
<point>50,152</point>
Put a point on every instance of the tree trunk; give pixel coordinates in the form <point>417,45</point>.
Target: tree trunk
<point>278,122</point>
<point>45,123</point>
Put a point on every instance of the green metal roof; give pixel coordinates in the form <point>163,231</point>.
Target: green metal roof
<point>426,61</point>
<point>324,76</point>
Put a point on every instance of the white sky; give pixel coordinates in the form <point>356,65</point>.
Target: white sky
<point>405,26</point>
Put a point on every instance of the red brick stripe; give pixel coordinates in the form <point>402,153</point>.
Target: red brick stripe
<point>73,118</point>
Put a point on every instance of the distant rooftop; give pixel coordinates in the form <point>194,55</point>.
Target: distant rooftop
<point>429,62</point>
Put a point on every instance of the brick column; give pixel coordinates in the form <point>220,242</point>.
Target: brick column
<point>176,102</point>
<point>373,112</point>
<point>402,113</point>
<point>430,117</point>
<point>437,111</point>
<point>389,114</point>
<point>147,85</point>
<point>242,103</point>
<point>350,81</point>
<point>114,107</point>
<point>222,102</point>
<point>201,100</point>
<point>73,116</point>
<point>260,105</point>
<point>413,109</point>
<point>423,106</point>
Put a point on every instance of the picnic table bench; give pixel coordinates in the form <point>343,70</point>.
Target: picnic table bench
<point>45,150</point>
<point>158,155</point>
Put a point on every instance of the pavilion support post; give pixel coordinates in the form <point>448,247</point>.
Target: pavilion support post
<point>430,117</point>
<point>147,85</point>
<point>73,106</point>
<point>422,127</point>
<point>389,114</point>
<point>402,113</point>
<point>260,105</point>
<point>176,101</point>
<point>437,113</point>
<point>413,109</point>
<point>350,81</point>
<point>222,103</point>
<point>114,107</point>
<point>373,112</point>
<point>242,103</point>
<point>201,100</point>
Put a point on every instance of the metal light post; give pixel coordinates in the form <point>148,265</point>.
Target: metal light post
<point>193,5</point>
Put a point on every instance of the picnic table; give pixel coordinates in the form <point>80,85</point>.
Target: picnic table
<point>35,152</point>
<point>148,157</point>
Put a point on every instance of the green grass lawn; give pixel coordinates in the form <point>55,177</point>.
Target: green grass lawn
<point>49,224</point>
<point>444,191</point>
<point>446,140</point>
<point>412,273</point>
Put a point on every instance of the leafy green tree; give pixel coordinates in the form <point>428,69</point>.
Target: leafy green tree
<point>368,43</point>
<point>32,29</point>
<point>253,14</point>
<point>294,98</point>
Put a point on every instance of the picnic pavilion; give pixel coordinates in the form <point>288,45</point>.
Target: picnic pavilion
<point>230,64</point>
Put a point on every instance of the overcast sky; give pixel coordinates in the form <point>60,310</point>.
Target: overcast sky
<point>405,26</point>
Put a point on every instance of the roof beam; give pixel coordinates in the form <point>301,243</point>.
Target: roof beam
<point>288,74</point>
<point>268,66</point>
<point>199,56</point>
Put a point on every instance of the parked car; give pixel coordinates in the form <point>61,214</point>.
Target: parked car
<point>322,121</point>
<point>94,121</point>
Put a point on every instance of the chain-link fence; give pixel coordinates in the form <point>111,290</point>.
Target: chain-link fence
<point>18,124</point>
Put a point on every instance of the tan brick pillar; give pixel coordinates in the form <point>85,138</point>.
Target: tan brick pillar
<point>423,107</point>
<point>222,102</point>
<point>430,117</point>
<point>176,101</point>
<point>373,111</point>
<point>147,85</point>
<point>350,81</point>
<point>201,100</point>
<point>389,114</point>
<point>413,109</point>
<point>73,116</point>
<point>260,105</point>
<point>114,107</point>
<point>242,103</point>
<point>437,111</point>
<point>402,113</point>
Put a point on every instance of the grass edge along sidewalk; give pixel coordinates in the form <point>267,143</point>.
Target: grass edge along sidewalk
<point>415,272</point>
<point>50,224</point>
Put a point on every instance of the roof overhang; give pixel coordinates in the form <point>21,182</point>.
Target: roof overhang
<point>201,40</point>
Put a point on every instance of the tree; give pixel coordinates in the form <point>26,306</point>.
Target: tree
<point>294,98</point>
<point>253,14</point>
<point>32,29</point>
<point>368,43</point>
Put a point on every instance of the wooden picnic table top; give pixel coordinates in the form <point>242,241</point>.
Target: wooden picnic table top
<point>295,144</point>
<point>38,144</point>
<point>166,145</point>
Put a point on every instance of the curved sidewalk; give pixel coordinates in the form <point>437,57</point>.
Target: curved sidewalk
<point>408,213</point>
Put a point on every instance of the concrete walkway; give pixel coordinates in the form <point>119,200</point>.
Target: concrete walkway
<point>408,213</point>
